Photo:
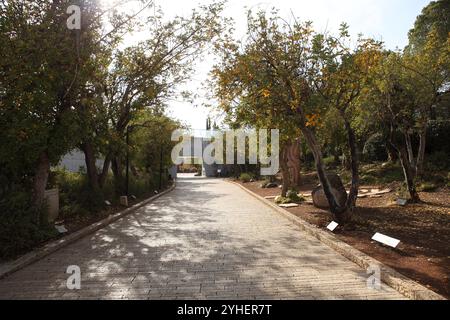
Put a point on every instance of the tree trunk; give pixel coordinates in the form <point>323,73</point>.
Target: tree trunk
<point>105,170</point>
<point>40,182</point>
<point>341,214</point>
<point>410,149</point>
<point>421,151</point>
<point>293,163</point>
<point>96,180</point>
<point>410,175</point>
<point>290,166</point>
<point>118,176</point>
<point>408,170</point>
<point>91,168</point>
<point>392,155</point>
<point>391,151</point>
<point>354,164</point>
<point>284,171</point>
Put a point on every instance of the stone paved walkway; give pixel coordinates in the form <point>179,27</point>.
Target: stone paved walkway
<point>208,239</point>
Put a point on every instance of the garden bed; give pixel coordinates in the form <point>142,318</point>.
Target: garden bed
<point>75,223</point>
<point>424,230</point>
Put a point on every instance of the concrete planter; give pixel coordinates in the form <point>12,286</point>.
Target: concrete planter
<point>52,198</point>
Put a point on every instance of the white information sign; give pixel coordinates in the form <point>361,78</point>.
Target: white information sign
<point>392,242</point>
<point>332,226</point>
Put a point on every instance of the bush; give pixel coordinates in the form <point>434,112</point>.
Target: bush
<point>329,161</point>
<point>402,192</point>
<point>76,196</point>
<point>19,230</point>
<point>375,148</point>
<point>282,200</point>
<point>294,197</point>
<point>145,183</point>
<point>437,137</point>
<point>438,161</point>
<point>245,177</point>
<point>427,187</point>
<point>291,197</point>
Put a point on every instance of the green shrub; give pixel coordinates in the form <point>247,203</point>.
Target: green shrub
<point>76,196</point>
<point>376,174</point>
<point>19,228</point>
<point>375,148</point>
<point>329,161</point>
<point>293,196</point>
<point>438,161</point>
<point>402,192</point>
<point>437,136</point>
<point>245,177</point>
<point>282,200</point>
<point>427,187</point>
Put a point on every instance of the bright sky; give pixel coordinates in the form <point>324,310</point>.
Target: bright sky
<point>386,20</point>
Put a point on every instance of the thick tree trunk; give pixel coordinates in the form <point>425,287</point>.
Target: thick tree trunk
<point>347,161</point>
<point>341,214</point>
<point>91,168</point>
<point>40,182</point>
<point>421,151</point>
<point>290,166</point>
<point>118,176</point>
<point>293,163</point>
<point>105,171</point>
<point>96,180</point>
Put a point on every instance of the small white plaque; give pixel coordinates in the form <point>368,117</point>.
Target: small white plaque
<point>333,225</point>
<point>61,228</point>
<point>392,242</point>
<point>288,205</point>
<point>107,203</point>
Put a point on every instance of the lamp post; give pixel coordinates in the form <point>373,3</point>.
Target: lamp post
<point>127,174</point>
<point>160,165</point>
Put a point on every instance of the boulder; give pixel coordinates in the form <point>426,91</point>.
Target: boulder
<point>271,185</point>
<point>337,188</point>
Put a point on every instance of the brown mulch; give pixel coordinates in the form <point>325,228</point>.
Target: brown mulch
<point>424,230</point>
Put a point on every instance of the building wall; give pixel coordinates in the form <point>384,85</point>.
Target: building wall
<point>74,161</point>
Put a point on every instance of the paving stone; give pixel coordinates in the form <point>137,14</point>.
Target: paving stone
<point>207,239</point>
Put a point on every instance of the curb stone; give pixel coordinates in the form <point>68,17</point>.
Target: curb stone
<point>37,254</point>
<point>406,286</point>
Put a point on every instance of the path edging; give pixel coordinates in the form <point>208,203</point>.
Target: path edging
<point>392,278</point>
<point>37,254</point>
